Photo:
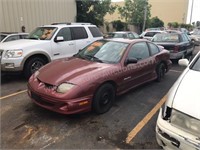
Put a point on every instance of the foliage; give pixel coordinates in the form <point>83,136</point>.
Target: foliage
<point>181,25</point>
<point>155,22</point>
<point>119,26</point>
<point>93,11</point>
<point>133,11</point>
<point>173,24</point>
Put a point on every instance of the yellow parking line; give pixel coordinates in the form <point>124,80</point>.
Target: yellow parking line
<point>13,94</point>
<point>145,120</point>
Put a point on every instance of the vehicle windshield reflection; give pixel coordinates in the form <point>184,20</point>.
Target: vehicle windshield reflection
<point>103,51</point>
<point>42,33</point>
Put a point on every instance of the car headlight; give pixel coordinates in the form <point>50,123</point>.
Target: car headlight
<point>13,53</point>
<point>64,87</point>
<point>185,122</point>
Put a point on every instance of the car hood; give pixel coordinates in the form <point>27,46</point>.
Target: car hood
<point>187,97</point>
<point>20,44</point>
<point>72,70</point>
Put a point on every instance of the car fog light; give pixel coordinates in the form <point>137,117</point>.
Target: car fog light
<point>9,65</point>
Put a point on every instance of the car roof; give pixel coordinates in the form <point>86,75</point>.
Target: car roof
<point>9,33</point>
<point>68,25</point>
<point>128,41</point>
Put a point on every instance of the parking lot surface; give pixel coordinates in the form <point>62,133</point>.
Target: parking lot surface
<point>130,124</point>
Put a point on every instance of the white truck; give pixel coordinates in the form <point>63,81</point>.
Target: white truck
<point>44,44</point>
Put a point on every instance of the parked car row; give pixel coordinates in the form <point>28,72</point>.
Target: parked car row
<point>87,72</point>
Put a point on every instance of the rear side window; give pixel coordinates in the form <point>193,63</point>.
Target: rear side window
<point>78,33</point>
<point>95,32</point>
<point>154,49</point>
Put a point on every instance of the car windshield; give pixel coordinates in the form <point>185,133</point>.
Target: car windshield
<point>174,38</point>
<point>2,37</point>
<point>103,51</point>
<point>196,65</point>
<point>42,33</point>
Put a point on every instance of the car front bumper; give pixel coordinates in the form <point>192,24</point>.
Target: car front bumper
<point>68,106</point>
<point>11,65</point>
<point>170,137</point>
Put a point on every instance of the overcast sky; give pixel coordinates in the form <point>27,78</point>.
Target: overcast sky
<point>195,12</point>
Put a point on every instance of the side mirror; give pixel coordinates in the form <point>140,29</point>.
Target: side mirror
<point>183,62</point>
<point>131,61</point>
<point>59,39</point>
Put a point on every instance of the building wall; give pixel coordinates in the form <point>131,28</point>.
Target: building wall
<point>170,10</point>
<point>32,13</point>
<point>166,10</point>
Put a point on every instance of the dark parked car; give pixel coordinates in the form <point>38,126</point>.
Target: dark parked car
<point>123,34</point>
<point>11,36</point>
<point>178,44</point>
<point>91,78</point>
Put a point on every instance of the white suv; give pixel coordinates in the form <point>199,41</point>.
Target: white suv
<point>46,43</point>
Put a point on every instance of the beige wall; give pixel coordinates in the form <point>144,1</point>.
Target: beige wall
<point>166,10</point>
<point>33,13</point>
<point>170,10</point>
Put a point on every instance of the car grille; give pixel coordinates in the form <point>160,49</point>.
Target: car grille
<point>47,86</point>
<point>40,100</point>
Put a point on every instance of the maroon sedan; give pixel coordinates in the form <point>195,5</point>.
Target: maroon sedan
<point>92,78</point>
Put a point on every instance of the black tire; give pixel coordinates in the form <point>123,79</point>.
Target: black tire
<point>160,71</point>
<point>32,65</point>
<point>103,99</point>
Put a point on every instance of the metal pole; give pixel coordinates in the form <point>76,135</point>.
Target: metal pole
<point>145,16</point>
<point>191,12</point>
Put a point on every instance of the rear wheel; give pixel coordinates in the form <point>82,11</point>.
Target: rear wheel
<point>32,65</point>
<point>160,70</point>
<point>103,98</point>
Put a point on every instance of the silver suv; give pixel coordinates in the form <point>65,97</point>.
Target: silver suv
<point>46,43</point>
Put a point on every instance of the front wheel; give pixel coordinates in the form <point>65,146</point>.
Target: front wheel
<point>32,65</point>
<point>160,71</point>
<point>103,98</point>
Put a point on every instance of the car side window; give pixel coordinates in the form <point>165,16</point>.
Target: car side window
<point>12,38</point>
<point>130,36</point>
<point>78,33</point>
<point>136,35</point>
<point>154,49</point>
<point>65,33</point>
<point>150,34</point>
<point>95,32</point>
<point>23,36</point>
<point>139,51</point>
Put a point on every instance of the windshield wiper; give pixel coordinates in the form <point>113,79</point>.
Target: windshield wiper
<point>93,58</point>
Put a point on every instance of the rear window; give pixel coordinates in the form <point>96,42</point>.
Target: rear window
<point>95,32</point>
<point>174,38</point>
<point>78,33</point>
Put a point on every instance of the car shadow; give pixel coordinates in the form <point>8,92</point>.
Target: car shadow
<point>9,78</point>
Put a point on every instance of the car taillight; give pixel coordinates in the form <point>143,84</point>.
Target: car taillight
<point>176,49</point>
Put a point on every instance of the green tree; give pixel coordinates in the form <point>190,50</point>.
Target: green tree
<point>119,26</point>
<point>155,22</point>
<point>93,11</point>
<point>133,11</point>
